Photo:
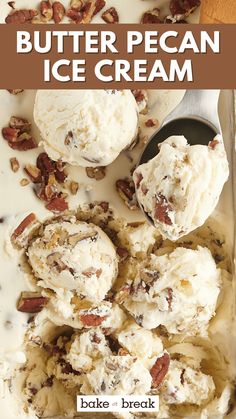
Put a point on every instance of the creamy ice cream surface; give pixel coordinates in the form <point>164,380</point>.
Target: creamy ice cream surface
<point>74,256</point>
<point>178,290</point>
<point>86,127</point>
<point>180,187</point>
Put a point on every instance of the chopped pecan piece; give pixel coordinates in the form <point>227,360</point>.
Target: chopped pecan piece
<point>122,252</point>
<point>104,205</point>
<point>151,123</point>
<point>33,172</point>
<point>18,134</point>
<point>74,186</point>
<point>92,319</point>
<point>99,6</point>
<point>92,271</point>
<point>14,164</point>
<point>126,190</point>
<point>76,4</point>
<point>46,10</point>
<point>58,11</point>
<point>138,180</point>
<point>21,16</point>
<point>77,17</point>
<point>24,182</point>
<point>159,370</point>
<point>110,15</point>
<point>97,173</point>
<point>57,204</point>
<point>22,124</point>
<point>88,11</point>
<point>31,218</point>
<point>11,4</point>
<point>151,16</point>
<point>10,134</point>
<point>31,302</point>
<point>162,208</point>
<point>15,91</point>
<point>45,164</point>
<point>212,144</point>
<point>183,7</point>
<point>170,298</point>
<point>141,98</point>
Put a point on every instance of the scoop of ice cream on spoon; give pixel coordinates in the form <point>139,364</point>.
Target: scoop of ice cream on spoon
<point>183,168</point>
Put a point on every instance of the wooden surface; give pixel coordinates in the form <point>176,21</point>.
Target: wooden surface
<point>218,11</point>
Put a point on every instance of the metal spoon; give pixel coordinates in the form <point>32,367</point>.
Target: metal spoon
<point>196,117</point>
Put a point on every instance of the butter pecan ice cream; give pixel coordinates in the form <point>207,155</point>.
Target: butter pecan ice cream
<point>180,187</point>
<point>86,127</point>
<point>177,290</point>
<point>74,256</point>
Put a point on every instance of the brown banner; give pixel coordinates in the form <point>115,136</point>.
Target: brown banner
<point>209,69</point>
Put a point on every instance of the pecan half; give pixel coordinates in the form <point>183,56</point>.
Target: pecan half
<point>46,10</point>
<point>14,164</point>
<point>110,15</point>
<point>10,134</point>
<point>21,16</point>
<point>97,173</point>
<point>159,370</point>
<point>57,204</point>
<point>162,208</point>
<point>31,302</point>
<point>212,144</point>
<point>15,91</point>
<point>58,11</point>
<point>31,218</point>
<point>122,252</point>
<point>77,17</point>
<point>151,16</point>
<point>92,319</point>
<point>33,172</point>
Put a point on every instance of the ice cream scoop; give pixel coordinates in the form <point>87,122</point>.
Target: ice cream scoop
<point>86,127</point>
<point>195,118</point>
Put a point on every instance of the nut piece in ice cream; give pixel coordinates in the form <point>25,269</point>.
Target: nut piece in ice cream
<point>74,256</point>
<point>180,187</point>
<point>177,290</point>
<point>119,375</point>
<point>86,127</point>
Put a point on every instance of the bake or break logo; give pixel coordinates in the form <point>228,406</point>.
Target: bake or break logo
<point>117,403</point>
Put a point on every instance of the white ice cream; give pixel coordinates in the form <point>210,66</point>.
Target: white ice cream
<point>177,290</point>
<point>181,186</point>
<point>86,127</point>
<point>74,256</point>
<point>119,375</point>
<point>183,384</point>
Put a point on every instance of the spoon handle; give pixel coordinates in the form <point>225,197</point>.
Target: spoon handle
<point>198,103</point>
